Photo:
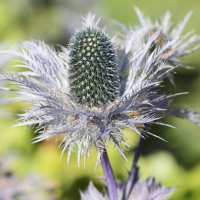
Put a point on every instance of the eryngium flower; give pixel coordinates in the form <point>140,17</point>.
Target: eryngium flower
<point>12,186</point>
<point>179,48</point>
<point>58,111</point>
<point>143,190</point>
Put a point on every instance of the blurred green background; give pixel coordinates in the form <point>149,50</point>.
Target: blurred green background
<point>174,163</point>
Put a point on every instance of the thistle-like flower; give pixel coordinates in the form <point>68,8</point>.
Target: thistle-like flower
<point>88,93</point>
<point>31,187</point>
<point>143,190</point>
<point>176,50</point>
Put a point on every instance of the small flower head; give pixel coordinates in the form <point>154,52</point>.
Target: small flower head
<point>167,34</point>
<point>143,190</point>
<point>13,186</point>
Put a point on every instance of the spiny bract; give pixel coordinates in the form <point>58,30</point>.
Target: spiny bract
<point>183,43</point>
<point>143,190</point>
<point>93,69</point>
<point>160,41</point>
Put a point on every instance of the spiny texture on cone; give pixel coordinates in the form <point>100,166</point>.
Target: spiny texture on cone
<point>93,69</point>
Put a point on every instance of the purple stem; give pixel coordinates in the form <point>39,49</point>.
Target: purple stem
<point>137,152</point>
<point>133,175</point>
<point>110,179</point>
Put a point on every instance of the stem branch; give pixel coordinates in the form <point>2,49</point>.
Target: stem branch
<point>133,175</point>
<point>137,152</point>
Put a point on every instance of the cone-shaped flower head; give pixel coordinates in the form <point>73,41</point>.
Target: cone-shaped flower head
<point>93,67</point>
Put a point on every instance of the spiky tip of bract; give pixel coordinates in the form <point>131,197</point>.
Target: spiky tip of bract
<point>160,41</point>
<point>93,68</point>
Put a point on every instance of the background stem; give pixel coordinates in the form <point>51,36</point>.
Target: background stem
<point>133,175</point>
<point>138,151</point>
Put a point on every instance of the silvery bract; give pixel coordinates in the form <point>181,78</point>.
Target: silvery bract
<point>132,188</point>
<point>143,190</point>
<point>3,60</point>
<point>57,111</point>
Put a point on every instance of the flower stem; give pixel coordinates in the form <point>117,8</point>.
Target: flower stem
<point>133,175</point>
<point>110,179</point>
<point>137,152</point>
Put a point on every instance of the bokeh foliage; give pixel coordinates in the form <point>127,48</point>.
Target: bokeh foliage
<point>175,163</point>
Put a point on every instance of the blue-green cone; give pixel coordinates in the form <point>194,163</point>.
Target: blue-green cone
<point>93,68</point>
